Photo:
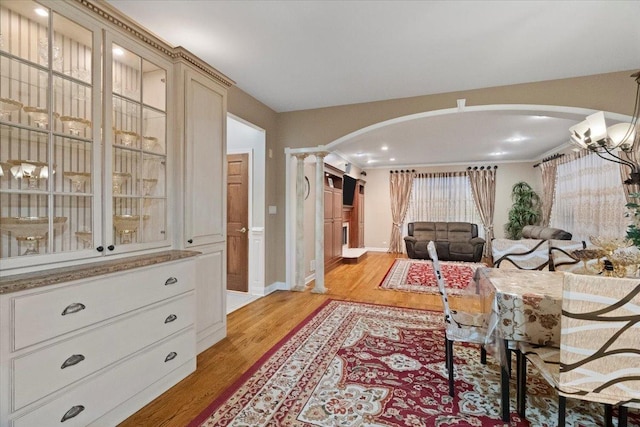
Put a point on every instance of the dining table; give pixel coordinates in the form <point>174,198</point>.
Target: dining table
<point>526,305</point>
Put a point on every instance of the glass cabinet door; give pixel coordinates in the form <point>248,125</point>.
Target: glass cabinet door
<point>47,150</point>
<point>138,149</point>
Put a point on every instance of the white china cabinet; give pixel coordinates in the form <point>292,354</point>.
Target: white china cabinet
<point>106,134</point>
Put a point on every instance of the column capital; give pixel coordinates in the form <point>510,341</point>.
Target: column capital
<point>321,154</point>
<point>300,156</point>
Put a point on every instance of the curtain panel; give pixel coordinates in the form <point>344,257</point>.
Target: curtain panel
<point>483,187</point>
<point>549,171</point>
<point>400,185</point>
<point>589,197</point>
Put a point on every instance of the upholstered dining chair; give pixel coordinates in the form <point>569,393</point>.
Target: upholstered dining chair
<point>524,254</point>
<point>459,326</point>
<point>599,346</point>
<point>560,255</point>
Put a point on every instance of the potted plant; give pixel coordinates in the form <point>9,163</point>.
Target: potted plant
<point>633,232</point>
<point>525,210</point>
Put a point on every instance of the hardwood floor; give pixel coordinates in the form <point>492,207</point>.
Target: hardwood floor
<point>255,328</point>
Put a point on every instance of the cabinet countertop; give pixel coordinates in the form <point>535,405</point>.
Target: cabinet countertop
<point>37,279</point>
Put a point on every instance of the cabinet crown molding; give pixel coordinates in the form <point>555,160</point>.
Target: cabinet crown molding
<point>112,15</point>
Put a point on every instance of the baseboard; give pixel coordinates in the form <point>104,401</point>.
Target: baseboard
<point>310,278</point>
<point>377,249</point>
<point>275,286</point>
<point>204,342</point>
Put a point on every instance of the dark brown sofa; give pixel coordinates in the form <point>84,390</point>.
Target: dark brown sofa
<point>455,241</point>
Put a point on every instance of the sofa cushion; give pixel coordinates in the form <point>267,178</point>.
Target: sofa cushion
<point>544,233</point>
<point>462,231</point>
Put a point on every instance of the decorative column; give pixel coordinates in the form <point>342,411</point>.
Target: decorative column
<point>299,279</point>
<point>319,281</point>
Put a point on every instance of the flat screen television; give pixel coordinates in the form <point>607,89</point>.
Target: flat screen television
<point>348,190</point>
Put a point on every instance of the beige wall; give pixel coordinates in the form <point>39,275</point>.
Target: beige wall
<point>248,108</point>
<point>612,92</point>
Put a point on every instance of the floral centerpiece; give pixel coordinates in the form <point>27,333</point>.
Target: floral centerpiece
<point>613,256</point>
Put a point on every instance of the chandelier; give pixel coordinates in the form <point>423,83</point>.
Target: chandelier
<point>607,142</point>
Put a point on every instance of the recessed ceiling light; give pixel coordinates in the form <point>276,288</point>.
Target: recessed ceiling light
<point>359,154</point>
<point>384,148</point>
<point>371,161</point>
<point>498,153</point>
<point>393,159</point>
<point>118,51</point>
<point>515,139</point>
<point>42,12</point>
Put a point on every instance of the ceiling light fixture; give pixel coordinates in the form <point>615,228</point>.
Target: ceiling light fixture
<point>594,135</point>
<point>384,148</point>
<point>118,51</point>
<point>41,12</point>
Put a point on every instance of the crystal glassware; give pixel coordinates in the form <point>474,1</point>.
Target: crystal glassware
<point>31,170</point>
<point>86,237</point>
<point>78,179</point>
<point>30,229</point>
<point>126,138</point>
<point>149,143</point>
<point>586,255</point>
<point>148,185</point>
<point>610,244</point>
<point>8,106</point>
<point>127,225</point>
<point>117,180</point>
<point>43,51</point>
<point>75,124</point>
<point>40,116</point>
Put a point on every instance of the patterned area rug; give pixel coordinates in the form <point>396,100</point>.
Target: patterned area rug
<point>352,364</point>
<point>410,275</point>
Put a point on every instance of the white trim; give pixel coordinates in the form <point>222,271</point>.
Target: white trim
<point>256,260</point>
<point>289,230</point>
<point>370,249</point>
<point>275,286</point>
<point>310,278</point>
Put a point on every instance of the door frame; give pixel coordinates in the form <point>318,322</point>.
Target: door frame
<point>256,235</point>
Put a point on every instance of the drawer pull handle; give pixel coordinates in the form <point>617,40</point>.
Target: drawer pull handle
<point>170,318</point>
<point>72,360</point>
<point>73,308</point>
<point>74,411</point>
<point>171,281</point>
<point>170,356</point>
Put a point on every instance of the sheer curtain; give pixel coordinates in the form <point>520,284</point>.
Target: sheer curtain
<point>443,197</point>
<point>589,198</point>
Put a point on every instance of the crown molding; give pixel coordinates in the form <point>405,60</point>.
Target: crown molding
<point>124,23</point>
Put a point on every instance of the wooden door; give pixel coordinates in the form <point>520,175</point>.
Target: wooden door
<point>237,222</point>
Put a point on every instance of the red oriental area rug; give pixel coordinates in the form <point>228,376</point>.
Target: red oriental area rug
<point>410,275</point>
<point>352,364</point>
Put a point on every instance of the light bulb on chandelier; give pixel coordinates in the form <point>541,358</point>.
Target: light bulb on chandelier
<point>607,142</point>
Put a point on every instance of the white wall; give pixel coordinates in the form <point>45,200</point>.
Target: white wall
<point>377,215</point>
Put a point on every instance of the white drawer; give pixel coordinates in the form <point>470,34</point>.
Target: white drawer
<point>41,316</point>
<point>94,398</point>
<point>37,374</point>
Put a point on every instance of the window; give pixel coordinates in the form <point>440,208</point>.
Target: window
<point>443,197</point>
<point>589,199</point>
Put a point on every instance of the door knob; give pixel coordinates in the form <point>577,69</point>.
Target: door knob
<point>242,230</point>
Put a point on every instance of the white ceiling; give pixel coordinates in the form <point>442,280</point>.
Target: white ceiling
<point>294,55</point>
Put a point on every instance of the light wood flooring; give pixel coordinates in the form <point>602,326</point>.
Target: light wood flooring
<point>256,327</point>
